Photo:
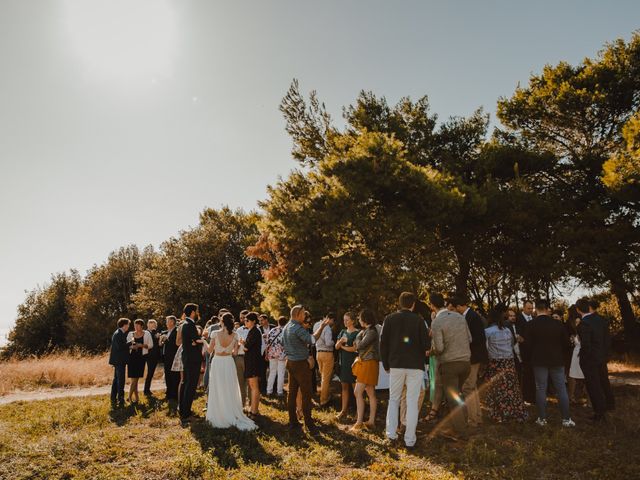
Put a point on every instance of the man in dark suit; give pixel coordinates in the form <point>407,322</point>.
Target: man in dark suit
<point>594,339</point>
<point>479,356</point>
<point>547,340</point>
<point>526,377</point>
<point>119,357</point>
<point>169,349</point>
<point>153,357</point>
<point>191,360</point>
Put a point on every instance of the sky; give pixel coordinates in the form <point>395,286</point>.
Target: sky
<point>120,120</point>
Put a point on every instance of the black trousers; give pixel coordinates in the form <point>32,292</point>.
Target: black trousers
<point>593,380</point>
<point>117,386</point>
<point>152,363</point>
<point>262,379</point>
<point>172,380</point>
<point>609,399</point>
<point>188,388</point>
<point>528,382</point>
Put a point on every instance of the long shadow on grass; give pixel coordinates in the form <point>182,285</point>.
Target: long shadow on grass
<point>121,416</point>
<point>229,445</point>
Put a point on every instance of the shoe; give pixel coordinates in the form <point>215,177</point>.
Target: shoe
<point>568,423</point>
<point>410,448</point>
<point>357,427</point>
<point>313,430</point>
<point>370,425</point>
<point>541,422</point>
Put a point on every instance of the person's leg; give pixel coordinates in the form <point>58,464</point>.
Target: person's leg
<point>541,374</point>
<point>181,391</point>
<point>325,364</point>
<point>557,378</point>
<point>281,369</point>
<point>471,397</point>
<point>373,405</point>
<point>151,367</point>
<point>594,387</point>
<point>403,406</point>
<point>438,394</point>
<point>529,386</point>
<point>254,385</point>
<point>423,394</point>
<point>413,383</point>
<point>114,385</point>
<point>359,393</point>
<point>571,389</point>
<point>304,380</point>
<point>122,379</point>
<point>396,382</point>
<point>239,360</point>
<point>293,393</point>
<point>453,375</point>
<point>344,397</point>
<point>207,369</point>
<point>605,384</point>
<point>273,371</point>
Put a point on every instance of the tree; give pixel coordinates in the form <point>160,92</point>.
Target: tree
<point>104,296</point>
<point>578,114</point>
<point>389,203</point>
<point>206,265</point>
<point>42,319</point>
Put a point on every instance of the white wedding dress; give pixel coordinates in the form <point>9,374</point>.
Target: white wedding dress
<point>224,405</point>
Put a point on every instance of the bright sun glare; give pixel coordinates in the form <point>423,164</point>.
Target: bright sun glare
<point>127,42</point>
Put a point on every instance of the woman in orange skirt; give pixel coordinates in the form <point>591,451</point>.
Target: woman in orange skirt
<point>365,368</point>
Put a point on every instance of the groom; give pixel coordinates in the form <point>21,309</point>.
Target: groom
<point>191,359</point>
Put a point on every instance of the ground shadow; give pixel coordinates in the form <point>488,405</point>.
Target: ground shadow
<point>121,415</point>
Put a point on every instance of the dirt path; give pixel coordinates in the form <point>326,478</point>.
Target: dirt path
<point>48,394</point>
<point>159,386</point>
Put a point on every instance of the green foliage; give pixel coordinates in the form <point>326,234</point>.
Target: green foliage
<point>393,203</point>
<point>42,319</point>
<point>586,116</point>
<point>206,265</point>
<point>104,296</point>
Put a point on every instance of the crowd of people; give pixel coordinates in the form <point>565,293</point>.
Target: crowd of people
<point>442,350</point>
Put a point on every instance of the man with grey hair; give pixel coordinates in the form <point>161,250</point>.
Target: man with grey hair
<point>153,357</point>
<point>296,341</point>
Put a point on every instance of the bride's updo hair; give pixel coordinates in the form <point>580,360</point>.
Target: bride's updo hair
<point>227,321</point>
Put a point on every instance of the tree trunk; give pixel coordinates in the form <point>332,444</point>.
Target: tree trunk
<point>626,312</point>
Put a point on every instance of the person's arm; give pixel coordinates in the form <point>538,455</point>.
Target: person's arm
<point>323,325</point>
<point>584,332</point>
<point>148,341</point>
<point>384,346</point>
<point>179,336</point>
<point>252,340</point>
<point>437,339</point>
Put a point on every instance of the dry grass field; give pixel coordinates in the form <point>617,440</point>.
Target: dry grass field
<point>56,370</point>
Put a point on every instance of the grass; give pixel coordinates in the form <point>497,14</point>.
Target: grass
<point>81,438</point>
<point>63,369</point>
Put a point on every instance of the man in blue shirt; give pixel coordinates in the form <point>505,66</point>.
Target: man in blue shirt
<point>296,341</point>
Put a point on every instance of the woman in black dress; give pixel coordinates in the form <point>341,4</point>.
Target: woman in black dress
<point>253,363</point>
<point>140,342</point>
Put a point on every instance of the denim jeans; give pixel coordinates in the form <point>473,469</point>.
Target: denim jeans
<point>117,386</point>
<point>541,375</point>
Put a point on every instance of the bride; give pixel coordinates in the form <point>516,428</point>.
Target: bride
<point>224,405</point>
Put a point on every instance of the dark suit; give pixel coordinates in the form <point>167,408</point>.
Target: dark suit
<point>404,341</point>
<point>153,357</point>
<point>118,357</point>
<point>172,379</point>
<point>594,352</point>
<point>192,361</point>
<point>526,377</point>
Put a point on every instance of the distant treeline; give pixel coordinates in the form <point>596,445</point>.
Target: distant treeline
<point>397,200</point>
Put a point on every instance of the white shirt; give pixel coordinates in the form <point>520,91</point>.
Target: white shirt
<point>324,343</point>
<point>242,332</point>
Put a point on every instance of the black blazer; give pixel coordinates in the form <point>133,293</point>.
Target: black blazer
<point>547,342</point>
<point>170,348</point>
<point>253,346</point>
<point>593,331</point>
<point>119,354</point>
<point>521,329</point>
<point>478,343</point>
<point>191,354</point>
<point>404,341</point>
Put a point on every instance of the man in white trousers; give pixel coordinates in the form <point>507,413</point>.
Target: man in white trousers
<point>403,348</point>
